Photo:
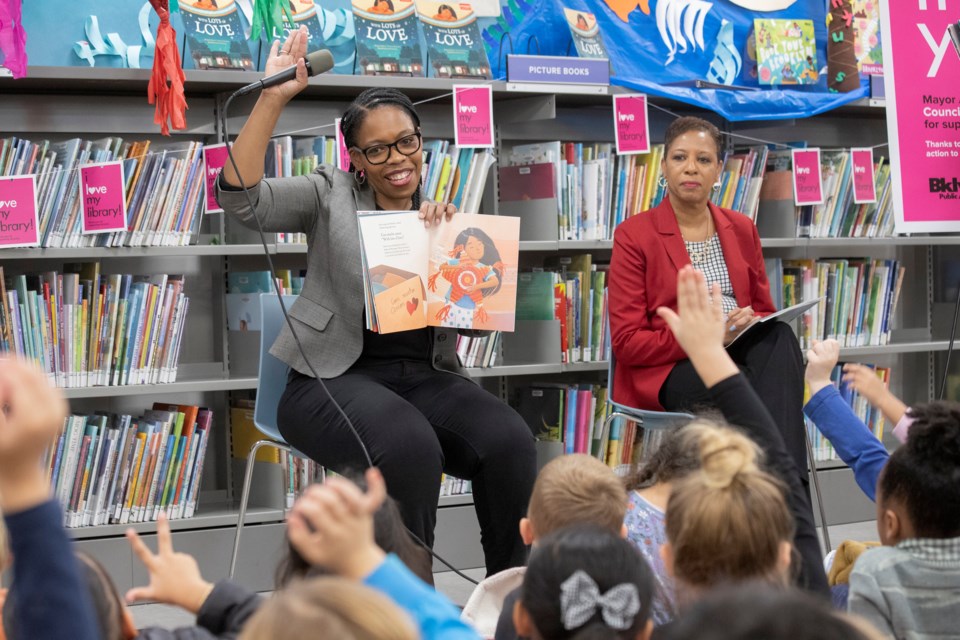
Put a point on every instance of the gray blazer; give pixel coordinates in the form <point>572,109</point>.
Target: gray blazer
<point>328,315</point>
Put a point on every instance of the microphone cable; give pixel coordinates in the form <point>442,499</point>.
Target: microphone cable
<point>296,338</point>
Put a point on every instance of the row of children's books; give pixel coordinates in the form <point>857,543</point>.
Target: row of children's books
<point>741,178</point>
<point>574,292</point>
<point>287,157</point>
<point>571,414</point>
<point>479,351</point>
<point>858,297</point>
<point>163,189</point>
<point>451,486</point>
<point>87,329</point>
<point>839,216</point>
<point>867,413</point>
<point>455,175</point>
<point>119,469</point>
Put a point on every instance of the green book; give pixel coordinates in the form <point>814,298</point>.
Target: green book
<point>535,295</point>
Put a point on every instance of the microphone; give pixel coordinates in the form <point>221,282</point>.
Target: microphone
<point>317,62</point>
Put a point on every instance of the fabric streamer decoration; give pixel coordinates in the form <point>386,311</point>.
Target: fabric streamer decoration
<point>13,38</point>
<point>269,16</point>
<point>113,45</point>
<point>842,72</point>
<point>166,83</point>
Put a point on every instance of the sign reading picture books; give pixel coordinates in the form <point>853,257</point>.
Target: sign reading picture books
<point>923,115</point>
<point>388,42</point>
<point>586,34</point>
<point>18,212</point>
<point>214,159</point>
<point>454,47</point>
<point>102,200</point>
<point>864,183</point>
<point>786,52</point>
<point>215,35</point>
<point>473,116</point>
<point>630,124</point>
<point>461,273</point>
<point>807,181</point>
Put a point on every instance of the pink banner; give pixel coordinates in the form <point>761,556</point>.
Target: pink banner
<point>807,182</point>
<point>214,159</point>
<point>630,124</point>
<point>103,206</point>
<point>473,116</point>
<point>18,212</point>
<point>923,113</point>
<point>343,154</point>
<point>864,186</point>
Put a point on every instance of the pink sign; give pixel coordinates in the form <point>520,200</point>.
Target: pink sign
<point>102,201</point>
<point>920,70</point>
<point>473,116</point>
<point>864,187</point>
<point>18,212</point>
<point>214,159</point>
<point>807,185</point>
<point>343,154</point>
<point>630,124</point>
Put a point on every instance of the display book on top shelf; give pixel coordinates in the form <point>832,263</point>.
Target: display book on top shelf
<point>522,118</point>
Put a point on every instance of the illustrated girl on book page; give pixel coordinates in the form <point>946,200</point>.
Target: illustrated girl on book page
<point>475,272</point>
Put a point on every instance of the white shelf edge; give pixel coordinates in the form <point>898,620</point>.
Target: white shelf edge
<point>458,500</point>
<point>218,516</point>
<point>180,386</point>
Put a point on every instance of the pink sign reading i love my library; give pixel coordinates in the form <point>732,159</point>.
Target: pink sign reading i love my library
<point>214,158</point>
<point>473,116</point>
<point>864,188</point>
<point>807,185</point>
<point>343,154</point>
<point>18,212</point>
<point>102,201</point>
<point>920,71</point>
<point>630,124</point>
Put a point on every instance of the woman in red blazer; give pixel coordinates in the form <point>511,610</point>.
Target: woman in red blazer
<point>649,249</point>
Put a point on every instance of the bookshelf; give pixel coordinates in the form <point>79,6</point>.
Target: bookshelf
<point>59,103</point>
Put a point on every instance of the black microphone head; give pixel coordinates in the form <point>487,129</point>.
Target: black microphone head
<point>319,62</point>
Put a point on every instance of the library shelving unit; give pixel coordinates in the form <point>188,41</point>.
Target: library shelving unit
<point>63,102</point>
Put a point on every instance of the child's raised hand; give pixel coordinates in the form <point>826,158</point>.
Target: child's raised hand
<point>435,212</point>
<point>31,415</point>
<point>331,525</point>
<point>698,323</point>
<point>821,359</point>
<point>864,381</point>
<point>174,577</point>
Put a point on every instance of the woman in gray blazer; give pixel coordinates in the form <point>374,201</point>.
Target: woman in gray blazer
<point>412,404</point>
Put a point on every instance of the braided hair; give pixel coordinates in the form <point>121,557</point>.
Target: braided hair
<point>363,104</point>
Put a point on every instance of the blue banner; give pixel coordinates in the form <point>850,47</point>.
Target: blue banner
<point>661,47</point>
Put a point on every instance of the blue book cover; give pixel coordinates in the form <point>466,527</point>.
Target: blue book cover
<point>215,36</point>
<point>388,41</point>
<point>570,421</point>
<point>454,48</point>
<point>585,33</point>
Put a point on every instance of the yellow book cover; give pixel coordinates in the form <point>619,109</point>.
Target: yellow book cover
<point>243,435</point>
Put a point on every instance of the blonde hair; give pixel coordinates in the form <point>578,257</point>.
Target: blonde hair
<point>576,489</point>
<point>727,522</point>
<point>329,607</point>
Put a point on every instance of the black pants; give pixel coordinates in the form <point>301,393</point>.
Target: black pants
<point>773,363</point>
<point>416,423</point>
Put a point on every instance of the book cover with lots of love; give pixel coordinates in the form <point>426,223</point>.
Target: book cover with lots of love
<point>786,52</point>
<point>454,47</point>
<point>388,41</point>
<point>585,33</point>
<point>215,35</point>
<point>461,273</point>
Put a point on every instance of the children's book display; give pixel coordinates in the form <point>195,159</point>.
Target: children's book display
<point>121,469</point>
<point>571,414</point>
<point>786,52</point>
<point>388,40</point>
<point>305,13</point>
<point>461,273</point>
<point>585,33</point>
<point>454,47</point>
<point>215,35</point>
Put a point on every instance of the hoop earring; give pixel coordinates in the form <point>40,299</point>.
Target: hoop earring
<point>662,182</point>
<point>360,178</point>
<point>717,184</point>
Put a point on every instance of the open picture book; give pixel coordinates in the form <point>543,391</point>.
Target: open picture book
<point>784,315</point>
<point>460,273</point>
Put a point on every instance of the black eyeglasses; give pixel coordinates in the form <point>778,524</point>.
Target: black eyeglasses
<point>380,153</point>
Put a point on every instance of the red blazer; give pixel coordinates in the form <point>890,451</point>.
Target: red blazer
<point>648,252</point>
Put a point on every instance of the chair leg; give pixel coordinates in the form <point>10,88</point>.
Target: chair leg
<point>605,430</point>
<point>245,495</point>
<point>816,487</point>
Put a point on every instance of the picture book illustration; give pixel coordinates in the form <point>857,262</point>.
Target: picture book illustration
<point>305,13</point>
<point>866,26</point>
<point>215,35</point>
<point>586,34</point>
<point>461,274</point>
<point>454,47</point>
<point>786,52</point>
<point>388,42</point>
